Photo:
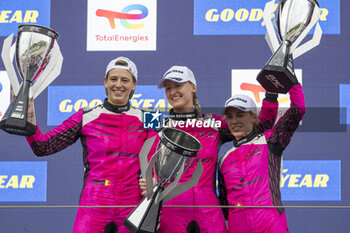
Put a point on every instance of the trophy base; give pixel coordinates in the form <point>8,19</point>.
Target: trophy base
<point>18,127</point>
<point>15,120</point>
<point>145,217</point>
<point>277,79</point>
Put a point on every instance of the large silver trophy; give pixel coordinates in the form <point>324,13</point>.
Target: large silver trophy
<point>175,151</point>
<point>39,62</point>
<point>294,20</point>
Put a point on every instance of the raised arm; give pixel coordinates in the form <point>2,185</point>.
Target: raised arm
<point>268,113</point>
<point>57,139</point>
<point>289,122</point>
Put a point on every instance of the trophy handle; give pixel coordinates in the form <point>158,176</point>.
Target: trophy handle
<point>310,44</point>
<point>7,55</point>
<point>144,153</point>
<point>270,35</point>
<point>317,38</point>
<point>187,185</point>
<point>148,176</point>
<point>146,167</point>
<point>50,73</point>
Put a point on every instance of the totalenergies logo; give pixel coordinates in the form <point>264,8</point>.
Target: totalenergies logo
<point>244,81</point>
<point>121,25</point>
<point>124,16</point>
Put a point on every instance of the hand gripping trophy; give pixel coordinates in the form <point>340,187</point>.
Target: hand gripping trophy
<point>294,20</point>
<point>174,152</point>
<point>39,61</point>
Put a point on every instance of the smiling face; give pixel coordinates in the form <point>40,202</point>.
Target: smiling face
<point>119,83</point>
<point>180,95</point>
<point>239,122</point>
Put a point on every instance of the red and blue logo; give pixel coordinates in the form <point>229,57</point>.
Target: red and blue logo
<point>124,16</point>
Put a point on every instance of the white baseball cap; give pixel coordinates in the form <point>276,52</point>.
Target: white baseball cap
<point>131,67</point>
<point>241,102</point>
<point>179,74</point>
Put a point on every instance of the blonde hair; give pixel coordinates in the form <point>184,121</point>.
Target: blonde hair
<point>196,106</point>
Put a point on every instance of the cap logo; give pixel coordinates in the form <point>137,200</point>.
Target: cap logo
<point>171,71</point>
<point>237,98</point>
<point>240,99</point>
<point>242,102</point>
<point>177,71</point>
<point>177,79</point>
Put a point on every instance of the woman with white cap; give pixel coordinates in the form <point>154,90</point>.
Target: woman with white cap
<point>112,135</point>
<point>180,89</point>
<point>249,173</point>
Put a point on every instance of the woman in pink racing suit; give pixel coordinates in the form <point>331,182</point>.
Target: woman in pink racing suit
<point>180,89</point>
<point>112,135</point>
<point>249,173</point>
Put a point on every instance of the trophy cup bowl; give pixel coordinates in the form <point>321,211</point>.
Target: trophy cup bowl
<point>176,147</point>
<point>293,21</point>
<point>174,151</point>
<point>33,52</point>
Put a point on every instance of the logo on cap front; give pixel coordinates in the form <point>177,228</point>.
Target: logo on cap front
<point>174,78</point>
<point>240,99</point>
<point>173,71</point>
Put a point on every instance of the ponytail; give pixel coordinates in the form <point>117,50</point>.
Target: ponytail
<point>196,106</point>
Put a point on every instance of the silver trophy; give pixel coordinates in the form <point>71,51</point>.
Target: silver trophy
<point>294,20</point>
<point>175,151</point>
<point>39,62</point>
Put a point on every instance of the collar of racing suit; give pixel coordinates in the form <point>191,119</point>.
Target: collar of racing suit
<point>247,138</point>
<point>182,116</point>
<point>115,108</point>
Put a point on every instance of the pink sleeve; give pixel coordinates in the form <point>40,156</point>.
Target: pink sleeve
<point>57,139</point>
<point>286,126</point>
<point>268,112</point>
<point>297,97</point>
